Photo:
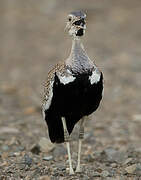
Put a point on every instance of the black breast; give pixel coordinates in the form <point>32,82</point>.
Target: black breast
<point>75,99</point>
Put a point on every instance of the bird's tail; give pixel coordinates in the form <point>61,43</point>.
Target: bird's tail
<point>55,128</point>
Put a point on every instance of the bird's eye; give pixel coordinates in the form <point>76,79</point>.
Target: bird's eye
<point>69,19</point>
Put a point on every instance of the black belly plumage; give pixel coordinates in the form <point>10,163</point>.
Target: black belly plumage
<point>72,101</point>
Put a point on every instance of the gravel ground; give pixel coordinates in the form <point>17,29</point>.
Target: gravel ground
<point>32,41</point>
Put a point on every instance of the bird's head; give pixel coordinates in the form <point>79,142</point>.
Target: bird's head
<point>76,24</point>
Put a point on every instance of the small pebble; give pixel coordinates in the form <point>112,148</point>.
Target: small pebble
<point>138,169</point>
<point>27,160</point>
<point>46,145</point>
<point>5,148</point>
<point>14,154</point>
<point>59,151</point>
<point>45,178</point>
<point>21,166</point>
<point>114,165</point>
<point>131,169</point>
<point>96,174</point>
<point>137,117</point>
<point>20,148</point>
<point>105,173</point>
<point>48,158</point>
<point>17,153</point>
<point>8,130</point>
<point>89,158</point>
<point>113,155</point>
<point>35,149</point>
<point>127,161</point>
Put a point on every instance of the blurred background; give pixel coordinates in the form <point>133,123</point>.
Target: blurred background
<point>32,40</point>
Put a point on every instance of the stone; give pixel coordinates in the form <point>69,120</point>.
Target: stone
<point>60,167</point>
<point>137,117</point>
<point>14,154</point>
<point>20,148</point>
<point>46,145</point>
<point>5,148</point>
<point>138,169</point>
<point>113,155</point>
<point>59,150</point>
<point>45,178</point>
<point>119,178</point>
<point>48,158</point>
<point>131,169</point>
<point>89,158</point>
<point>35,149</point>
<point>22,166</point>
<point>27,160</point>
<point>127,161</point>
<point>113,165</point>
<point>8,130</point>
<point>105,174</point>
<point>96,174</point>
<point>4,155</point>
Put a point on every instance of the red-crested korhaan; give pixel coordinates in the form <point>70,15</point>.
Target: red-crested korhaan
<point>73,90</point>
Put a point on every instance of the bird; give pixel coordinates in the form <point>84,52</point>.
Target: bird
<point>72,91</point>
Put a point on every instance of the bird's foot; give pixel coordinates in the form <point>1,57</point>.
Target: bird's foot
<point>70,170</point>
<point>78,169</point>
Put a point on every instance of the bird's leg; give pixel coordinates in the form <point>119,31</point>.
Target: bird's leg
<point>81,137</point>
<point>67,139</point>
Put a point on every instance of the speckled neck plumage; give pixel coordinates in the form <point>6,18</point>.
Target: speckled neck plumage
<point>78,61</point>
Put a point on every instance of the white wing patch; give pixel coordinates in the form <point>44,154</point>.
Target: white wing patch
<point>66,79</point>
<point>95,77</point>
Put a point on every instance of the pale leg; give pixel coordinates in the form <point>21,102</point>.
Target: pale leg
<point>67,139</point>
<point>81,137</point>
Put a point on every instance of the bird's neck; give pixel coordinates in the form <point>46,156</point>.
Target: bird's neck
<point>78,59</point>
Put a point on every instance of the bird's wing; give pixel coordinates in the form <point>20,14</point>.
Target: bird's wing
<point>48,84</point>
<point>64,75</point>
